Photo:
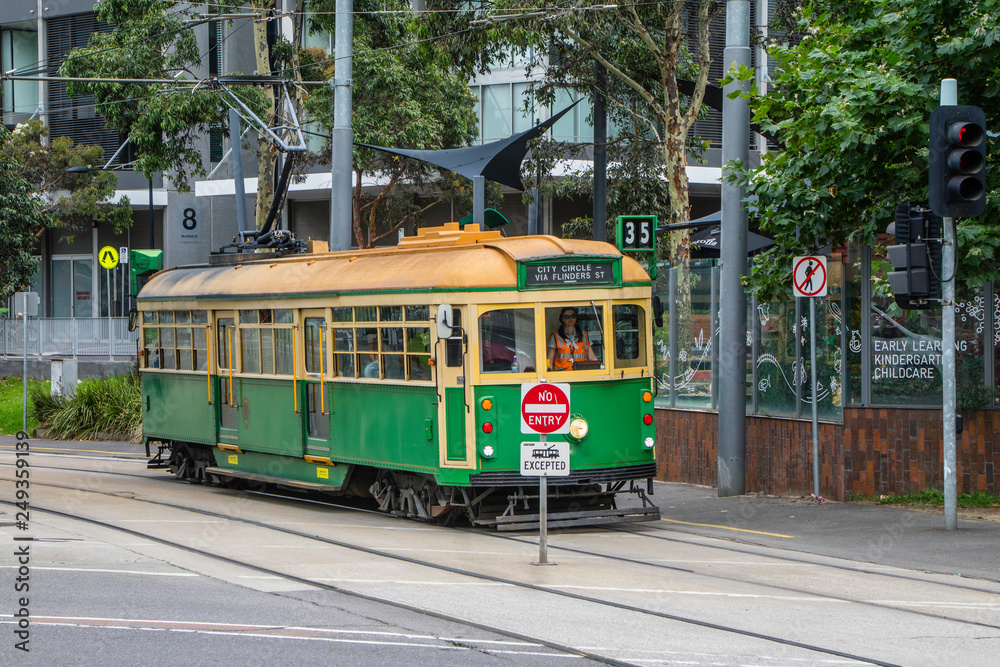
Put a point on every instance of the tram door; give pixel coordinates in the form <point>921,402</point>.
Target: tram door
<point>453,378</point>
<point>316,405</point>
<point>226,388</point>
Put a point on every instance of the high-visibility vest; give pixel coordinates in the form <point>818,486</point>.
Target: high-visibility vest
<point>567,353</point>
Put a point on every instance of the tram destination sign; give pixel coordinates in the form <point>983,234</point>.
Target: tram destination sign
<point>570,273</point>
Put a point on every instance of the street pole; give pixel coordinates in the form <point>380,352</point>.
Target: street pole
<point>341,205</point>
<point>731,459</point>
<point>152,230</point>
<point>949,98</point>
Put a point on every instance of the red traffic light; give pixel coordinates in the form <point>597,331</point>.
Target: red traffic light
<point>957,184</point>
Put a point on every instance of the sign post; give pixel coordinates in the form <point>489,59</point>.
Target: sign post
<point>25,306</point>
<point>544,410</point>
<point>108,258</point>
<point>809,280</point>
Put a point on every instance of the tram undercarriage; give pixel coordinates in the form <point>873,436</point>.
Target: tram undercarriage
<point>414,496</point>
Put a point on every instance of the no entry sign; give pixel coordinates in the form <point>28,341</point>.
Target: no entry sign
<point>544,408</point>
<point>809,276</point>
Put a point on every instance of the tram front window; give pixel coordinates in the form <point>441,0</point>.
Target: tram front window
<point>573,333</point>
<point>630,335</point>
<point>507,341</point>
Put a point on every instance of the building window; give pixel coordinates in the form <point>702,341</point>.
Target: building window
<point>19,51</point>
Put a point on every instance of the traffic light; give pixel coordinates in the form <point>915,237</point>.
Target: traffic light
<point>916,280</point>
<point>958,161</point>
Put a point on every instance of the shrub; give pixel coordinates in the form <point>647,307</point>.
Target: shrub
<point>107,407</point>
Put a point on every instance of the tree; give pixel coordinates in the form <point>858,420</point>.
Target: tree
<point>403,97</point>
<point>71,202</point>
<point>647,51</point>
<point>38,194</point>
<point>162,121</point>
<point>850,104</point>
<point>22,220</point>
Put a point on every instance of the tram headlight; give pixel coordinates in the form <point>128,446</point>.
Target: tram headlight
<point>488,452</point>
<point>648,442</point>
<point>578,428</point>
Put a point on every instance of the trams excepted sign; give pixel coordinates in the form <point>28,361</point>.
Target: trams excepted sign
<point>544,408</point>
<point>809,276</point>
<point>545,459</point>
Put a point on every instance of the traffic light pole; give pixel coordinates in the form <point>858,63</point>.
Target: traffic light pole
<point>949,97</point>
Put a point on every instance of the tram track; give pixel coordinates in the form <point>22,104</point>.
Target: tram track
<point>486,577</point>
<point>628,530</point>
<point>452,570</point>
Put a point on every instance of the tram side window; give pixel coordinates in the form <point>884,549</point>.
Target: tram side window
<point>630,335</point>
<point>315,351</point>
<point>368,359</point>
<point>392,353</point>
<point>151,345</point>
<point>343,347</point>
<point>266,349</point>
<point>225,327</point>
<point>418,353</point>
<point>507,341</point>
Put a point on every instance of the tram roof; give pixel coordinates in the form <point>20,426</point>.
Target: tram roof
<point>436,259</point>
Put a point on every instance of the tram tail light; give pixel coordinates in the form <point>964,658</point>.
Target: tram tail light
<point>647,420</point>
<point>487,427</point>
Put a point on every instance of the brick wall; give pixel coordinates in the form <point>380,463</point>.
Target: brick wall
<point>875,451</point>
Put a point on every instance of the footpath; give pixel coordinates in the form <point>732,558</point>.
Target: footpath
<point>878,534</point>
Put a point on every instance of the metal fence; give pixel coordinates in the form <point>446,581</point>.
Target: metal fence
<point>68,337</point>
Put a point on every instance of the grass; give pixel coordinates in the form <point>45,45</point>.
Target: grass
<point>935,497</point>
<point>11,416</point>
<point>109,407</point>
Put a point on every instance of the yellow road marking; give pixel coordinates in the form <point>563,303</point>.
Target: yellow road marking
<point>742,530</point>
<point>66,449</point>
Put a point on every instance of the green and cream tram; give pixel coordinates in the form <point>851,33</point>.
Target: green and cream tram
<point>397,373</point>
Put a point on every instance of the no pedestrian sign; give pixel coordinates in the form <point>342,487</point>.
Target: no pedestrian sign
<point>809,276</point>
<point>544,408</point>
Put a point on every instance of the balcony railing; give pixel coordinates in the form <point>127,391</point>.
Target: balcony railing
<point>68,337</point>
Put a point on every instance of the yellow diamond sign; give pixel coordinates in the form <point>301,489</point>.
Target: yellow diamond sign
<point>108,257</point>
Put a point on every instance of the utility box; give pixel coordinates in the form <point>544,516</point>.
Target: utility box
<point>141,265</point>
<point>65,377</point>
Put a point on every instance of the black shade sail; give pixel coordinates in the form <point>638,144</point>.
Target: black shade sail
<point>498,161</point>
<point>708,242</point>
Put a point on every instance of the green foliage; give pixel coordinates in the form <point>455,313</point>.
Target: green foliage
<point>12,405</point>
<point>108,406</point>
<point>73,200</point>
<point>851,104</point>
<point>404,96</point>
<point>150,41</point>
<point>22,220</point>
<point>645,50</point>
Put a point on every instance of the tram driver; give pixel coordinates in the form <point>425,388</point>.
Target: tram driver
<point>569,344</point>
